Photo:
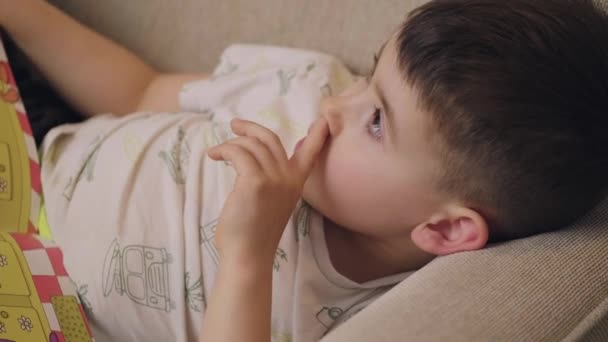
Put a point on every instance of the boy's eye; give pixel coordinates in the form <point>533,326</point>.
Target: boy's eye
<point>375,126</point>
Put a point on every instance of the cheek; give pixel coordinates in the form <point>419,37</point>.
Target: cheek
<point>358,193</point>
<point>359,188</point>
<point>350,173</point>
<point>354,178</point>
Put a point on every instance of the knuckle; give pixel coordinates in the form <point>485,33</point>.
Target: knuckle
<point>235,149</point>
<point>251,140</point>
<point>269,136</point>
<point>274,138</point>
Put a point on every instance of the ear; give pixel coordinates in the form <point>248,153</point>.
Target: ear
<point>456,229</point>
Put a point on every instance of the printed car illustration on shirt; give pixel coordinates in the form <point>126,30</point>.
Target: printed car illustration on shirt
<point>207,239</point>
<point>330,316</point>
<point>139,272</point>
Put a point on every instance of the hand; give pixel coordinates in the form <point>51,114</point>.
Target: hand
<point>266,190</point>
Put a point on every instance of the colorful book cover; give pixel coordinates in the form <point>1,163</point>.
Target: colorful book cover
<point>20,188</point>
<point>38,300</point>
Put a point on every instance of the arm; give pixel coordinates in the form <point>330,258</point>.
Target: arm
<point>239,308</point>
<point>82,65</point>
<point>247,236</point>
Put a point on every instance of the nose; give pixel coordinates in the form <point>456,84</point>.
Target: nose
<point>335,109</point>
<point>338,110</point>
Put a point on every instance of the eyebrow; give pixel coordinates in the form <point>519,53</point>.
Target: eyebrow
<point>377,57</point>
<point>390,113</point>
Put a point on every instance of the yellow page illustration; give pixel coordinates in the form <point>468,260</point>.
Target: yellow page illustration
<point>15,187</point>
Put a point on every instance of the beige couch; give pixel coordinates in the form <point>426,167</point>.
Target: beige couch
<point>552,287</point>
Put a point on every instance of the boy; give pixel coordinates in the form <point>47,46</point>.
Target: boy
<point>483,121</point>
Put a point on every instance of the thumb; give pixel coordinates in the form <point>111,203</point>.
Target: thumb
<point>305,156</point>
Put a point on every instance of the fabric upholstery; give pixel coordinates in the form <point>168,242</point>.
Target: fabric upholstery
<point>551,287</point>
<point>191,34</point>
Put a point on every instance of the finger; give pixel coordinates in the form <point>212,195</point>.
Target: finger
<point>243,162</point>
<point>260,152</point>
<point>305,156</point>
<point>251,129</point>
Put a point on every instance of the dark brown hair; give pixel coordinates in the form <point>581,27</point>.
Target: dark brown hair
<point>517,91</point>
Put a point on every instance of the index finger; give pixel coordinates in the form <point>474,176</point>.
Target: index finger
<point>243,127</point>
<point>305,156</point>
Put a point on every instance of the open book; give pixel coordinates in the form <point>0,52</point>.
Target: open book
<point>20,188</point>
<point>38,300</point>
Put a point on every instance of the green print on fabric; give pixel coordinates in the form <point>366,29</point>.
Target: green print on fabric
<point>208,114</point>
<point>68,190</point>
<point>302,220</point>
<point>278,256</point>
<point>310,66</point>
<point>132,146</point>
<point>194,293</point>
<point>177,157</point>
<point>285,80</point>
<point>91,157</point>
<point>207,239</point>
<point>281,336</point>
<point>90,166</point>
<point>82,294</point>
<point>87,164</point>
<point>272,116</point>
<point>214,134</point>
<point>141,273</point>
<point>226,68</point>
<point>328,315</point>
<point>56,149</point>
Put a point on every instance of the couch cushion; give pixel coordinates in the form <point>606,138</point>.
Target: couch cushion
<point>190,35</point>
<point>549,287</point>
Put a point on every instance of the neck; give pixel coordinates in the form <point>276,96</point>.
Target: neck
<point>362,257</point>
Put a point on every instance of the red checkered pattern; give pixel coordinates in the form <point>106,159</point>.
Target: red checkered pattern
<point>45,261</point>
<point>30,144</point>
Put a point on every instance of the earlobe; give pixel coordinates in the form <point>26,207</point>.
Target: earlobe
<point>457,229</point>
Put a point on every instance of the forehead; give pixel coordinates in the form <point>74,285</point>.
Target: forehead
<point>387,48</point>
<point>410,123</point>
<point>391,85</point>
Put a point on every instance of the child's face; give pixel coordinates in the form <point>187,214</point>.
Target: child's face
<point>375,173</point>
